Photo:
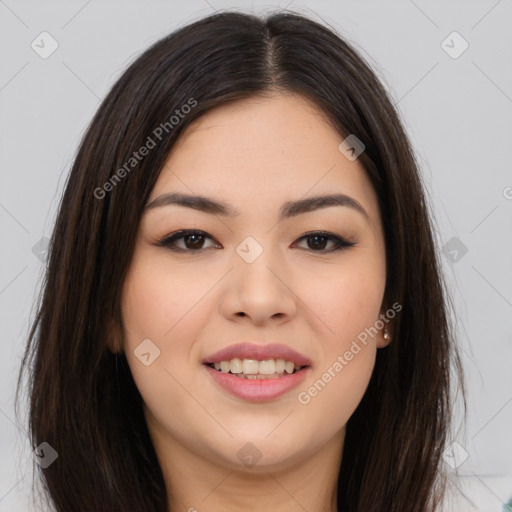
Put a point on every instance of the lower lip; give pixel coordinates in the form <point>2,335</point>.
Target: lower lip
<point>257,390</point>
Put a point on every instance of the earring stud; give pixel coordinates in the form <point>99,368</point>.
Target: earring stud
<point>386,334</point>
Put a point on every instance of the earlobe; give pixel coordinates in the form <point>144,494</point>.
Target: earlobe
<point>385,337</point>
<point>386,333</point>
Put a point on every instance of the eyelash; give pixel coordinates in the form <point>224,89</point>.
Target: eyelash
<point>168,241</point>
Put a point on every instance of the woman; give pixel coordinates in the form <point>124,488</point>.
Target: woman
<point>243,306</point>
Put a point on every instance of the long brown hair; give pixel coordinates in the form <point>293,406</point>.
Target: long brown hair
<point>82,398</point>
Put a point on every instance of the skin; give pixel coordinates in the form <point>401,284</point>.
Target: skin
<point>254,154</point>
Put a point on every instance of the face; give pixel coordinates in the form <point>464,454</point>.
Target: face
<point>248,274</point>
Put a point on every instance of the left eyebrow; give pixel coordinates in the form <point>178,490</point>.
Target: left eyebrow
<point>287,210</point>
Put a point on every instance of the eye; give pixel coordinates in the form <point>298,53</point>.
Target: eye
<point>194,241</point>
<point>320,238</point>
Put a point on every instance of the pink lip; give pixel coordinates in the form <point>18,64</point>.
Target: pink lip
<point>259,352</point>
<point>257,390</point>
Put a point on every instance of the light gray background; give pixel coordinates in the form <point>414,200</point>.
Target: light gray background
<point>458,113</point>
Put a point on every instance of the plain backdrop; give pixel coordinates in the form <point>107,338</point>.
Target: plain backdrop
<point>457,109</point>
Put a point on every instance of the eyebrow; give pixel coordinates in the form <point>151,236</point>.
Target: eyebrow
<point>288,210</point>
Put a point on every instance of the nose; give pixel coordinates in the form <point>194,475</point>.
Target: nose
<point>260,291</point>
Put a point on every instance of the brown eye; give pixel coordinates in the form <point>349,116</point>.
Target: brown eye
<point>317,241</point>
<point>193,241</point>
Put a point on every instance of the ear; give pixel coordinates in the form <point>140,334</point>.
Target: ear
<point>386,333</point>
<point>114,337</point>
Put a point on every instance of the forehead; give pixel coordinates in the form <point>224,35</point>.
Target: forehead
<point>266,149</point>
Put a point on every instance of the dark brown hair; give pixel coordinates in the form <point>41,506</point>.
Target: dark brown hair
<point>83,400</point>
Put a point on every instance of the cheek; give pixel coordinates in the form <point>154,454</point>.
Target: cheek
<point>349,309</point>
<point>348,302</point>
<point>164,306</point>
<point>336,389</point>
<point>158,301</point>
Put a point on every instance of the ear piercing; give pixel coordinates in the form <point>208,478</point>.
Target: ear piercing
<point>387,336</point>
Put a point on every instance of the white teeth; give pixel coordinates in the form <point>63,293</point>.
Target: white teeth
<point>267,367</point>
<point>235,365</point>
<point>280,364</point>
<point>254,369</point>
<point>250,366</point>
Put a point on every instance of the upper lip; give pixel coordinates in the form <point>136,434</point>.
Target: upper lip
<point>259,352</point>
